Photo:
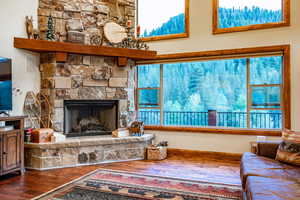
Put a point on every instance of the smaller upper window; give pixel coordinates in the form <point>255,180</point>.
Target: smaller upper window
<point>243,15</point>
<point>164,19</point>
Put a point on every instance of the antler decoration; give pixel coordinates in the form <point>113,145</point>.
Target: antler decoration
<point>133,44</point>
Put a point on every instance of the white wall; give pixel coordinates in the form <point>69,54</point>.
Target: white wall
<point>202,39</point>
<point>207,142</point>
<point>27,78</point>
<point>25,64</point>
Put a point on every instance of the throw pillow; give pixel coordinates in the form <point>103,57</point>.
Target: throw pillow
<point>292,136</point>
<point>289,149</point>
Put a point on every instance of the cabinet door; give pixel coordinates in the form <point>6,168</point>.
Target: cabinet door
<point>11,151</point>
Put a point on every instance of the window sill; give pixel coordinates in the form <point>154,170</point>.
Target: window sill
<point>217,30</point>
<point>255,132</point>
<point>165,37</point>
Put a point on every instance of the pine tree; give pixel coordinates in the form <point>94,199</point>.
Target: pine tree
<point>50,32</point>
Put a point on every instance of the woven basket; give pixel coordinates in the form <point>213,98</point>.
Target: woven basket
<point>156,153</point>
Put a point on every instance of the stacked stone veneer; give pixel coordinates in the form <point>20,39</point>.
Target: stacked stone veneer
<point>86,17</point>
<point>85,77</point>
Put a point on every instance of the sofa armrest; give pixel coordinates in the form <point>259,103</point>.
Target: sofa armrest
<point>268,148</point>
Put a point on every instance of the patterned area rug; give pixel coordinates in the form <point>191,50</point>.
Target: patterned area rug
<point>118,185</point>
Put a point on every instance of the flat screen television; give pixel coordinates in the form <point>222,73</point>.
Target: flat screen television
<point>5,84</point>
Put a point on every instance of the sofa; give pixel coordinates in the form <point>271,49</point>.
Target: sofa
<point>264,178</point>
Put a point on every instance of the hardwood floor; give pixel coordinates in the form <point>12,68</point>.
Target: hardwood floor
<point>208,168</point>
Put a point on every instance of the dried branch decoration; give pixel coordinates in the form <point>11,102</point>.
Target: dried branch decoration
<point>133,44</point>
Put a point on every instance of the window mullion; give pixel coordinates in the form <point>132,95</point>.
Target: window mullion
<point>249,99</point>
<point>161,94</point>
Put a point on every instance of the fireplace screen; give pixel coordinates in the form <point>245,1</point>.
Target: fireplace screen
<point>90,118</point>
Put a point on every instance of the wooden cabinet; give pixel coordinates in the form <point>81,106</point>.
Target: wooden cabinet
<point>12,146</point>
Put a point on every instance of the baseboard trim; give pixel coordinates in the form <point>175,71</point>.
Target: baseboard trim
<point>211,154</point>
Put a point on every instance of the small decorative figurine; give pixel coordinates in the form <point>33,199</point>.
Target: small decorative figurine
<point>51,30</point>
<point>137,128</point>
<point>36,34</point>
<point>32,33</point>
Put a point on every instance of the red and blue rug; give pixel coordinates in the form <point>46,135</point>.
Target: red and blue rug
<point>120,185</point>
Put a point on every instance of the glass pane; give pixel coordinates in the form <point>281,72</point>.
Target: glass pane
<point>266,70</point>
<point>149,116</point>
<point>149,98</point>
<point>232,119</point>
<point>266,97</point>
<point>192,89</point>
<point>236,13</point>
<point>156,17</point>
<point>266,119</point>
<point>148,76</point>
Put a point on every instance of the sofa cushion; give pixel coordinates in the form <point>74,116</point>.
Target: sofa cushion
<point>253,165</point>
<point>262,188</point>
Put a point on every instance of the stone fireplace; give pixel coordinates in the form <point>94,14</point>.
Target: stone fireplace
<point>89,95</point>
<point>87,80</point>
<point>90,117</point>
<point>85,77</point>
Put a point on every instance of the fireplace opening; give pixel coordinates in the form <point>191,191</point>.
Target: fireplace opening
<point>90,117</point>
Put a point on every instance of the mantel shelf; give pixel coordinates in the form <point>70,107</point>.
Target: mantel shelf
<point>64,47</point>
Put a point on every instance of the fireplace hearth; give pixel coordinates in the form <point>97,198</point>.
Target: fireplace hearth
<point>90,117</point>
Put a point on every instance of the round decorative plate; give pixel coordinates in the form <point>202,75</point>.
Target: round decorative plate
<point>114,33</point>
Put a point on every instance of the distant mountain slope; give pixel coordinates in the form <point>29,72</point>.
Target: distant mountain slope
<point>229,17</point>
<point>173,26</point>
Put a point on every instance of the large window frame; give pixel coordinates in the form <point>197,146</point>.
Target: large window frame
<point>186,34</point>
<point>284,50</point>
<point>285,21</point>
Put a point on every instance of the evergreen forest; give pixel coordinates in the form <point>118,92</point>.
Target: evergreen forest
<point>228,17</point>
<point>191,89</point>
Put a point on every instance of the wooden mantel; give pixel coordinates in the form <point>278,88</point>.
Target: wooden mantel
<point>62,48</point>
